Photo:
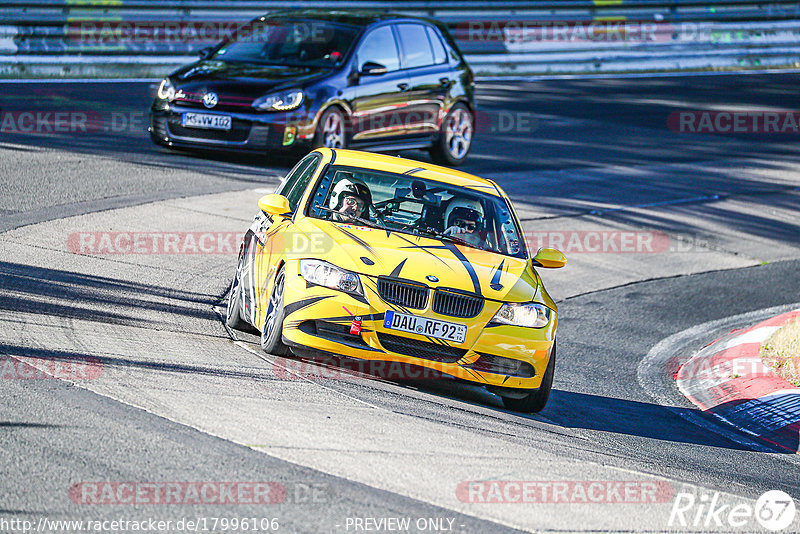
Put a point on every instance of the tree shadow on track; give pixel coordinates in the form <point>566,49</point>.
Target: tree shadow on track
<point>98,366</point>
<point>17,424</point>
<point>111,120</point>
<point>60,293</point>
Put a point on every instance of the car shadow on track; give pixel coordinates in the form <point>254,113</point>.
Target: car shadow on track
<point>634,418</point>
<point>566,409</point>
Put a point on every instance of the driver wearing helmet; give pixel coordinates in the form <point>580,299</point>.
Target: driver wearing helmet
<point>464,220</point>
<point>350,197</point>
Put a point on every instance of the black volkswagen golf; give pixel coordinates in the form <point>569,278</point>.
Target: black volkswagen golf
<point>304,79</point>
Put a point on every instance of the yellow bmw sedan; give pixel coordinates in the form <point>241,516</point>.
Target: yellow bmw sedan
<point>382,258</point>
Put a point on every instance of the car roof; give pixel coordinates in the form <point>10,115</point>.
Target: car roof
<point>398,165</point>
<point>355,18</point>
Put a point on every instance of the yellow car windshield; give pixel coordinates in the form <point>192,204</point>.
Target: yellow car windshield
<point>418,206</point>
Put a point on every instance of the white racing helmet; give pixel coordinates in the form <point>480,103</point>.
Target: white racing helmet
<point>347,184</point>
<point>466,209</point>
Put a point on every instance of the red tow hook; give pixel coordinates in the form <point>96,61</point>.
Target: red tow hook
<point>355,326</point>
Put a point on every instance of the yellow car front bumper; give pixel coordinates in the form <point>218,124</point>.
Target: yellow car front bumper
<point>493,354</point>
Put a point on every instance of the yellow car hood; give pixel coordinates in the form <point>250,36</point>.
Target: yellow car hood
<point>373,252</point>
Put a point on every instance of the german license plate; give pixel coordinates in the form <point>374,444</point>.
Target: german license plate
<point>425,327</point>
<point>204,120</point>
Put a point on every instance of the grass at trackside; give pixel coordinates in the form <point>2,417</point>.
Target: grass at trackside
<point>782,352</point>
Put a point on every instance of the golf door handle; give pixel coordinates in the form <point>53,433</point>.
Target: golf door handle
<point>402,86</point>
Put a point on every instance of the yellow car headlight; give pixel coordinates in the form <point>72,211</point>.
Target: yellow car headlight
<point>531,315</point>
<point>325,274</point>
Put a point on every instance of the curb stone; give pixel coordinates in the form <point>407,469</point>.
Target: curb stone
<point>728,380</point>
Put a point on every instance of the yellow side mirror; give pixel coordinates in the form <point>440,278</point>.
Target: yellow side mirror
<point>275,205</point>
<point>549,258</point>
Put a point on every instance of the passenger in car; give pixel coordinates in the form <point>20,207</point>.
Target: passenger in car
<point>464,220</point>
<point>350,198</point>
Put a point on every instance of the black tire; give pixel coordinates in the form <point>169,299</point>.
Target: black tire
<point>272,331</point>
<point>233,315</point>
<point>455,137</point>
<point>332,129</point>
<point>536,399</point>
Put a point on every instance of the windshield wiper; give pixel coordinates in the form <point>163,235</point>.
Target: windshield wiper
<point>447,237</point>
<point>417,231</point>
<point>365,222</point>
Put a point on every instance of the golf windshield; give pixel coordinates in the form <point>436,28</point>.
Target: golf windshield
<point>307,43</point>
<point>417,206</point>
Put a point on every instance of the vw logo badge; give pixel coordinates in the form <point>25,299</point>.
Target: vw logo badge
<point>431,278</point>
<point>210,100</point>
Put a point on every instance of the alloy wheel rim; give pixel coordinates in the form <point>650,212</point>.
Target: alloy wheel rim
<point>231,296</point>
<point>274,299</point>
<point>332,131</point>
<point>458,133</point>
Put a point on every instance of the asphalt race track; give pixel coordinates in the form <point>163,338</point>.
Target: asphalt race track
<point>178,401</point>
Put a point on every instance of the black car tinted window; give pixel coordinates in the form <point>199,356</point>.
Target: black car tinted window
<point>379,47</point>
<point>416,47</point>
<point>290,42</point>
<point>439,55</point>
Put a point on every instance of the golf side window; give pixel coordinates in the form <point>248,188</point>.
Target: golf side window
<point>417,50</point>
<point>379,47</point>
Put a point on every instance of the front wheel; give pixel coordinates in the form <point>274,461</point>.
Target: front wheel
<point>331,130</point>
<point>272,332</point>
<point>536,399</point>
<point>233,316</point>
<point>455,138</point>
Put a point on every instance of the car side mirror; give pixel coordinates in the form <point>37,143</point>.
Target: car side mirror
<point>205,53</point>
<point>274,205</point>
<point>372,68</point>
<point>549,258</point>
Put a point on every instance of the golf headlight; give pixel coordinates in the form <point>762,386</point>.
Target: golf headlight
<point>532,315</point>
<point>279,101</point>
<point>324,274</point>
<point>166,91</point>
